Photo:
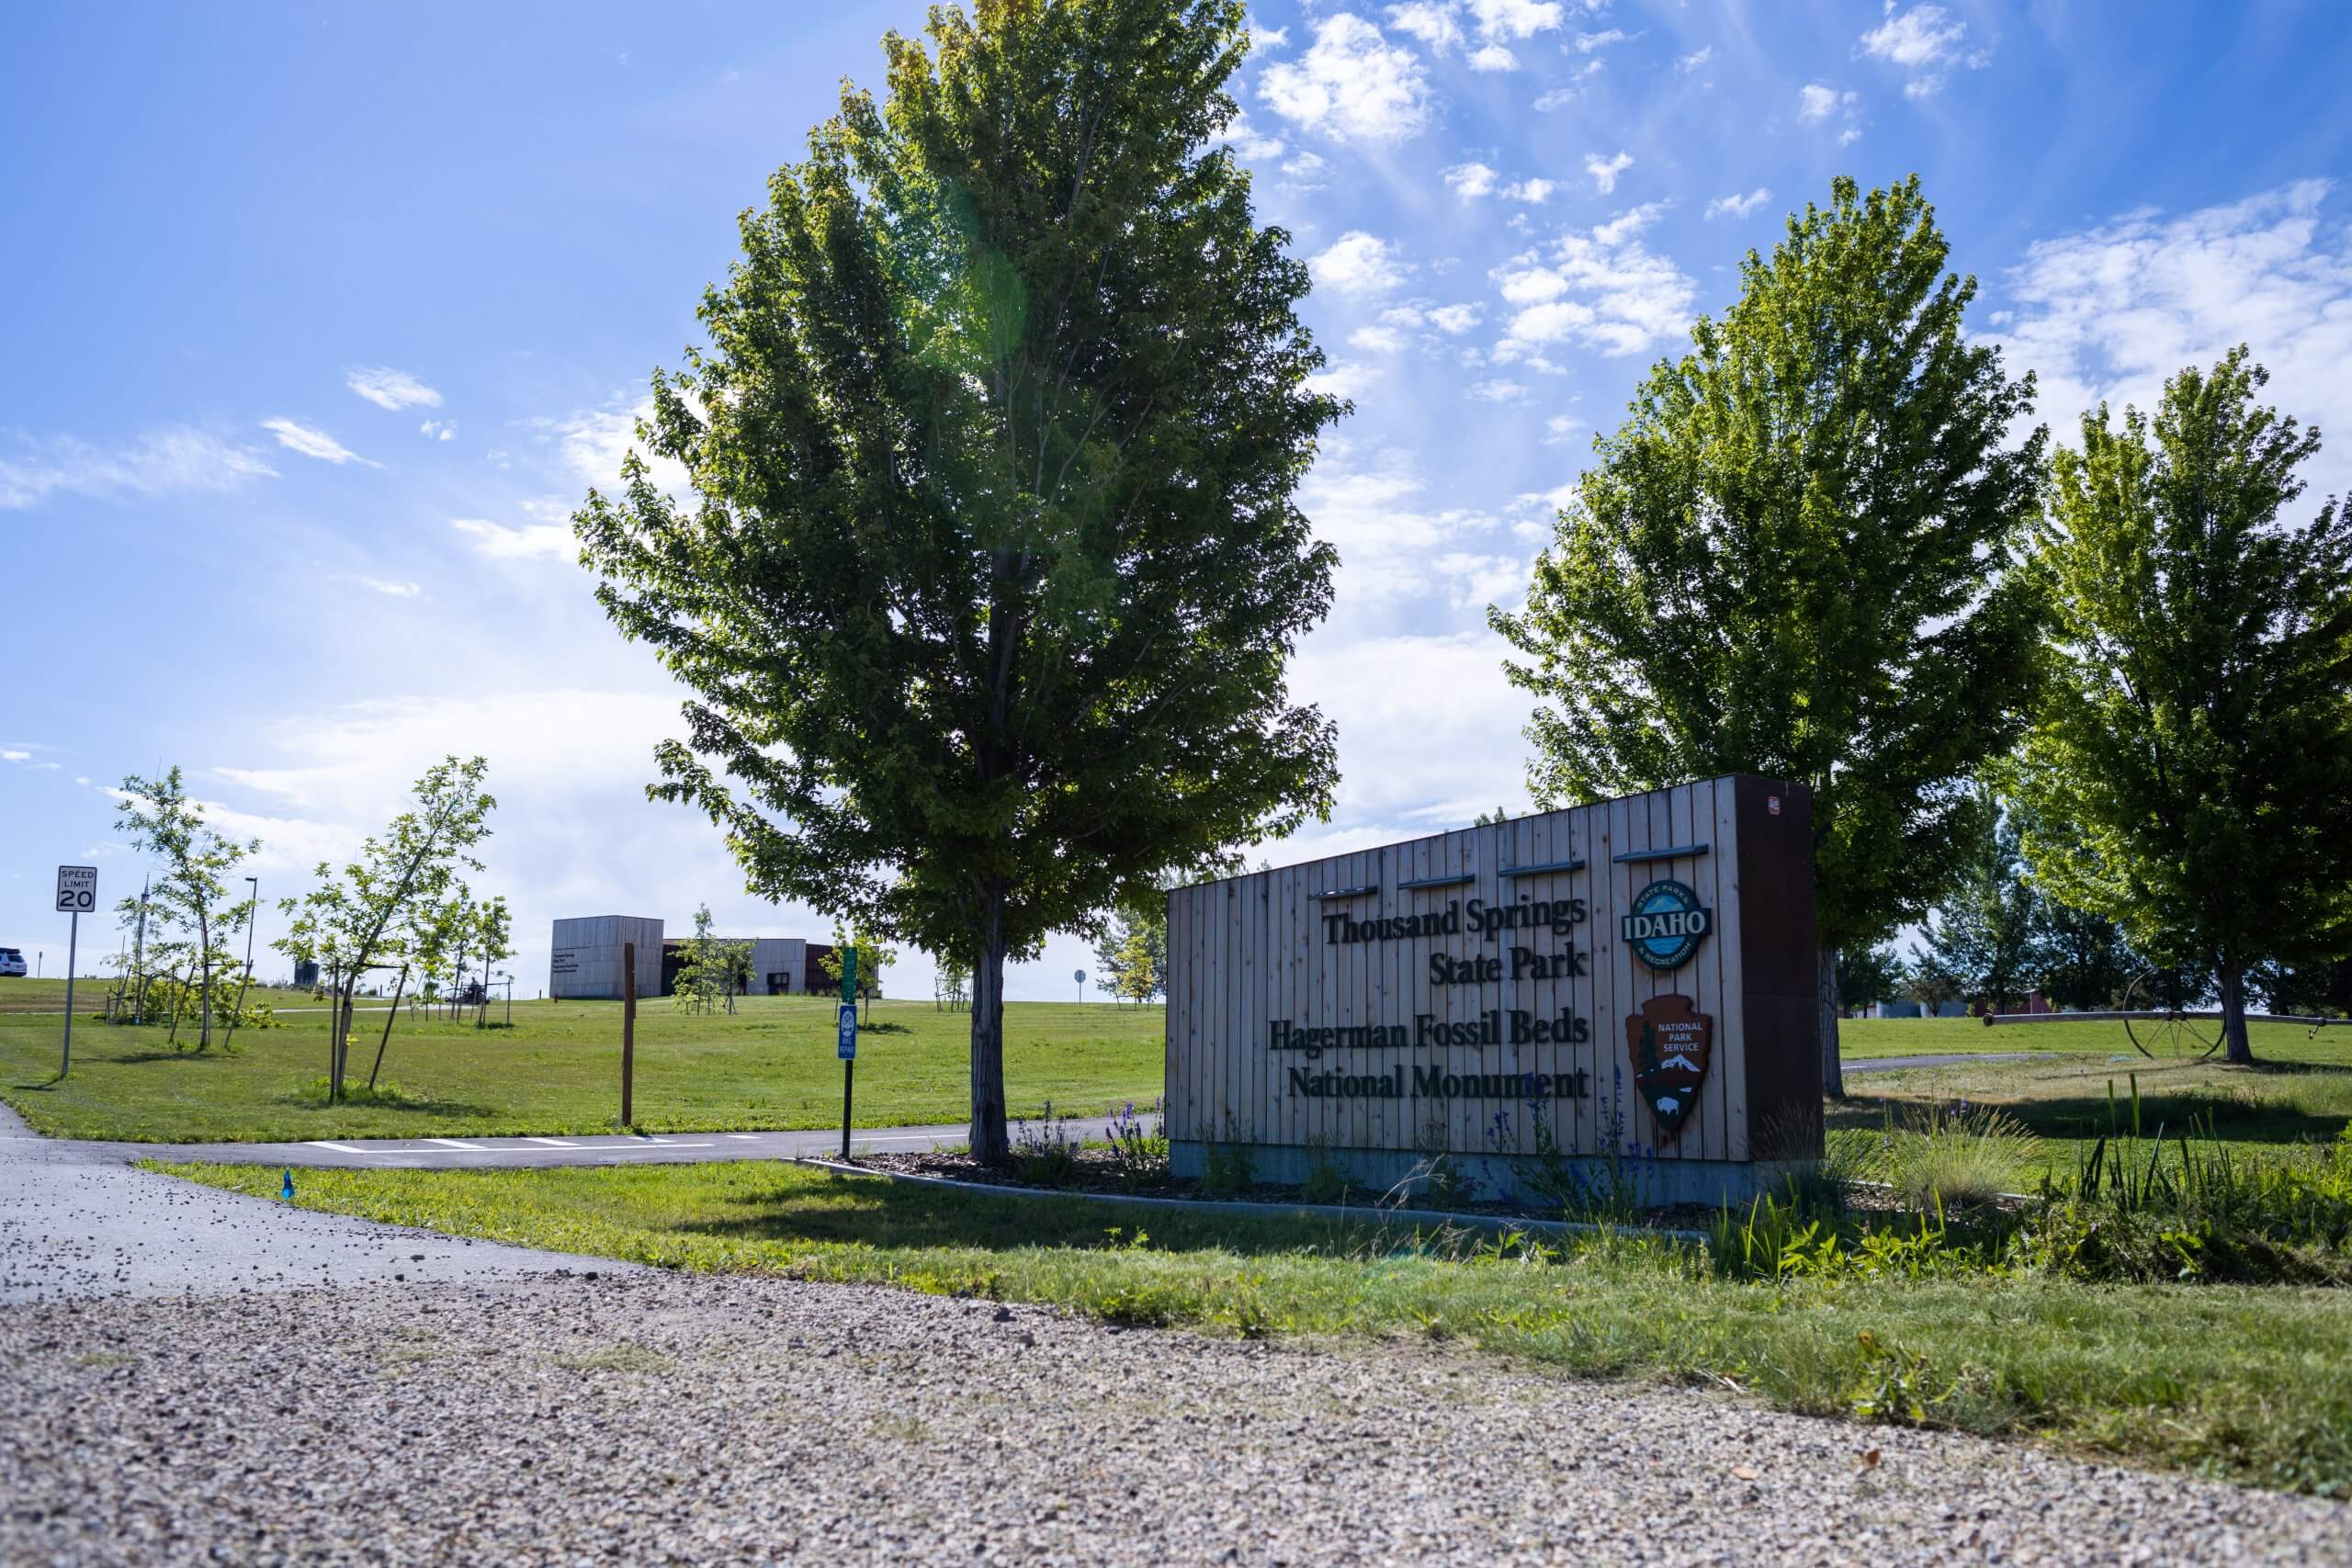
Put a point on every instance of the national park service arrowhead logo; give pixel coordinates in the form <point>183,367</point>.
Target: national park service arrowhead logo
<point>1668,1041</point>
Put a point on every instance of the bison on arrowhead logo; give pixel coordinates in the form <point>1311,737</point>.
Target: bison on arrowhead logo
<point>1668,1041</point>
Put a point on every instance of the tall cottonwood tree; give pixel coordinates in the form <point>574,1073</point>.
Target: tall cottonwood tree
<point>2195,742</point>
<point>1792,559</point>
<point>991,566</point>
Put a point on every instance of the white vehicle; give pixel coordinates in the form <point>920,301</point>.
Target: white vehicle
<point>12,963</point>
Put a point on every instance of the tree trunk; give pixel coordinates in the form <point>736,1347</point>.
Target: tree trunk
<point>204,952</point>
<point>1833,1071</point>
<point>400,985</point>
<point>2234,1040</point>
<point>990,1144</point>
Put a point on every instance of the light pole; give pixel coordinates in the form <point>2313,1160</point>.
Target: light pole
<point>253,908</point>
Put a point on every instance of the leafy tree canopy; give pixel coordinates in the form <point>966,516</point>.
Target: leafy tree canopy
<point>1792,559</point>
<point>2192,752</point>
<point>992,564</point>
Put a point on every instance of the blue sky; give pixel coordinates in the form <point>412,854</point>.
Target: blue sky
<point>320,318</point>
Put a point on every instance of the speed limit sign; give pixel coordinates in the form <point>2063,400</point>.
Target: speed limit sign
<point>77,890</point>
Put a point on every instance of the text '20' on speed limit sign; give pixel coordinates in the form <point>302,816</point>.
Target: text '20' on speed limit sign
<point>77,890</point>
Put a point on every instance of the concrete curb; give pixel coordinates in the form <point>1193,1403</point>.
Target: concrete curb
<point>1263,1210</point>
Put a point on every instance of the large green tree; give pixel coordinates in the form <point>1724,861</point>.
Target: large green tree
<point>992,564</point>
<point>1792,559</point>
<point>1991,928</point>
<point>2194,739</point>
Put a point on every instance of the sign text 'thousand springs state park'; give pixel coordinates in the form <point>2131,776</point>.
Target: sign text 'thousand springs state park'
<point>1637,971</point>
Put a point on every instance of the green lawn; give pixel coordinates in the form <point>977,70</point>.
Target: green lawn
<point>90,993</point>
<point>770,1065</point>
<point>2250,1383</point>
<point>1859,1039</point>
<point>2300,1092</point>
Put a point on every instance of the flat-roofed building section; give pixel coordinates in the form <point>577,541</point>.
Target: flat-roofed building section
<point>777,966</point>
<point>584,956</point>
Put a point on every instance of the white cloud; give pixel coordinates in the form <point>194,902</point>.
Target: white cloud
<point>1268,38</point>
<point>391,588</point>
<point>1604,171</point>
<point>1923,40</point>
<point>1437,747</point>
<point>1515,19</point>
<point>1586,43</point>
<point>1921,36</point>
<point>1499,390</point>
<point>1376,340</point>
<point>1352,85</point>
<point>1816,102</point>
<point>438,429</point>
<point>15,756</point>
<point>2110,312</point>
<point>551,540</point>
<point>171,461</point>
<point>1468,180</point>
<point>1386,542</point>
<point>1695,60</point>
<point>1345,378</point>
<point>1601,289</point>
<point>1559,428</point>
<point>1454,319</point>
<point>1434,22</point>
<point>1737,206</point>
<point>1304,171</point>
<point>1358,266</point>
<point>312,442</point>
<point>389,389</point>
<point>1535,193</point>
<point>1493,57</point>
<point>1248,141</point>
<point>595,442</point>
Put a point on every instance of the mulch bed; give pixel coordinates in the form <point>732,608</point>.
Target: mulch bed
<point>1098,1173</point>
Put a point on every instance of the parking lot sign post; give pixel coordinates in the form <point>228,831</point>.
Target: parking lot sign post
<point>845,1038</point>
<point>77,893</point>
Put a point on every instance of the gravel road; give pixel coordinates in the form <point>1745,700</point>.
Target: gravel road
<point>658,1418</point>
<point>76,1220</point>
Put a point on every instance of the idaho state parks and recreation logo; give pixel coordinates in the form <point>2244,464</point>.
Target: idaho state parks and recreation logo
<point>1665,924</point>
<point>1669,1040</point>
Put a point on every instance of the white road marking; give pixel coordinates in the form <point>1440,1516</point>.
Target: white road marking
<point>744,1137</point>
<point>675,1144</point>
<point>453,1143</point>
<point>340,1148</point>
<point>552,1142</point>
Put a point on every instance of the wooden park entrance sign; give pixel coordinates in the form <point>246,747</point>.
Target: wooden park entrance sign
<point>1629,981</point>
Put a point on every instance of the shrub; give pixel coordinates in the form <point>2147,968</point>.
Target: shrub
<point>1326,1181</point>
<point>1139,1154</point>
<point>1232,1165</point>
<point>1045,1154</point>
<point>1957,1157</point>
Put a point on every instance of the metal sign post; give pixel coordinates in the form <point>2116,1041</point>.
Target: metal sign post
<point>77,893</point>
<point>628,1033</point>
<point>845,1038</point>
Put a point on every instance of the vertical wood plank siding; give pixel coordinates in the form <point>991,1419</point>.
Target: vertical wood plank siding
<point>1250,951</point>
